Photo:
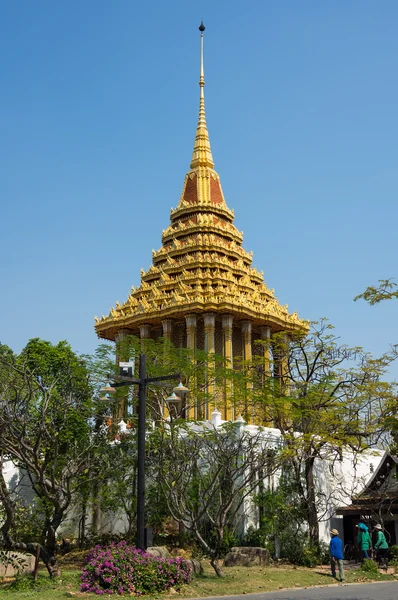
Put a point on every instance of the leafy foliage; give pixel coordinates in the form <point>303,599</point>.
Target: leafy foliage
<point>206,474</point>
<point>369,566</point>
<point>386,290</point>
<point>119,569</point>
<point>393,551</point>
<point>47,430</point>
<point>326,397</point>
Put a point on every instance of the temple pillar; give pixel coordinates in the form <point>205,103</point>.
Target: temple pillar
<point>227,321</point>
<point>210,327</point>
<point>145,334</point>
<point>167,325</point>
<point>247,339</point>
<point>191,324</point>
<point>145,331</point>
<point>280,351</point>
<point>247,356</point>
<point>122,355</point>
<point>265,333</point>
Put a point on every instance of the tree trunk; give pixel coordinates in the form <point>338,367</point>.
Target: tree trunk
<point>82,525</point>
<point>312,516</point>
<point>217,567</point>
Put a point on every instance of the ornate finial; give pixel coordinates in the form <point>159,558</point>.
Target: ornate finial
<point>201,156</point>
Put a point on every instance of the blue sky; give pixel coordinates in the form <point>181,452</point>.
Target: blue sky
<point>99,104</point>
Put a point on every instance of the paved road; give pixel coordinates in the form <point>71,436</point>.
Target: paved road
<point>366,591</point>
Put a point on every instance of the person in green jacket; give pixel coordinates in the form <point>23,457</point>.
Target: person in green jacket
<point>381,547</point>
<point>363,540</point>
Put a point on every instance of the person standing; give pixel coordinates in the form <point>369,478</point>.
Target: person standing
<point>381,547</point>
<point>336,554</point>
<point>364,542</point>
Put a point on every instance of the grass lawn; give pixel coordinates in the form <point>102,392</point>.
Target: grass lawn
<point>237,580</point>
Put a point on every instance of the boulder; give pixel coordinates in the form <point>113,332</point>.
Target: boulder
<point>247,556</point>
<point>195,566</point>
<point>160,551</point>
<point>27,564</point>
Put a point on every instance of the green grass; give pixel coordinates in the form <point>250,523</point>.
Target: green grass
<point>237,580</point>
<point>44,588</point>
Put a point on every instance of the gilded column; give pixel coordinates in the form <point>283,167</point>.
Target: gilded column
<point>280,351</point>
<point>145,334</point>
<point>227,321</point>
<point>145,331</point>
<point>191,323</point>
<point>265,333</point>
<point>247,355</point>
<point>247,339</point>
<point>210,326</point>
<point>122,354</point>
<point>167,325</point>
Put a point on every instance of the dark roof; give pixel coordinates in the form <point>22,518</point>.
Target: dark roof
<point>380,491</point>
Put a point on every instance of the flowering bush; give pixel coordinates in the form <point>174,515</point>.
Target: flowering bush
<point>119,569</point>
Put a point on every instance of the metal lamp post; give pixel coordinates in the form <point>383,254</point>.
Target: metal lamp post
<point>142,383</point>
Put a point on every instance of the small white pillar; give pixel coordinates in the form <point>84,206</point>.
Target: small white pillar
<point>216,418</point>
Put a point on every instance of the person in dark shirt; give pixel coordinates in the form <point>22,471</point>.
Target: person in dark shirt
<point>336,554</point>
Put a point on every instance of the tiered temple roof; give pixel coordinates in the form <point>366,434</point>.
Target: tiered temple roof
<point>201,265</point>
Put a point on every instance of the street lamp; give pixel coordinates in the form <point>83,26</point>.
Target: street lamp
<point>142,383</point>
<point>173,400</point>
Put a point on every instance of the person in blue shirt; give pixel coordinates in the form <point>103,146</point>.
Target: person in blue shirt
<point>336,554</point>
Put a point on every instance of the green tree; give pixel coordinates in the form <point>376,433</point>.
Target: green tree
<point>46,429</point>
<point>386,289</point>
<point>329,398</point>
<point>207,474</point>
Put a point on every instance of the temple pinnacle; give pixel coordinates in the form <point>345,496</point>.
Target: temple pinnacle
<point>201,156</point>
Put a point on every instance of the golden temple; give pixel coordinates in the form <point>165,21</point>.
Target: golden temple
<point>201,290</point>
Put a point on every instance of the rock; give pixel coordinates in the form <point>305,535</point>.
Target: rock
<point>27,564</point>
<point>171,591</point>
<point>195,566</point>
<point>247,556</point>
<point>160,551</point>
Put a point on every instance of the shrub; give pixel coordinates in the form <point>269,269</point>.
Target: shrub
<point>394,555</point>
<point>369,566</point>
<point>119,568</point>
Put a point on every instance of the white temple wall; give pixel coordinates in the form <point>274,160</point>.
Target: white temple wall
<point>336,480</point>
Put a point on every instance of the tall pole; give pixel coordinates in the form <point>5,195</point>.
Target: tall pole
<point>141,455</point>
<point>142,382</point>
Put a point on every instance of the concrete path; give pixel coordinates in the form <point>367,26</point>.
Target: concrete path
<point>354,591</point>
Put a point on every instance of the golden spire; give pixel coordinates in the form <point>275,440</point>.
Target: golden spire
<point>201,156</point>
